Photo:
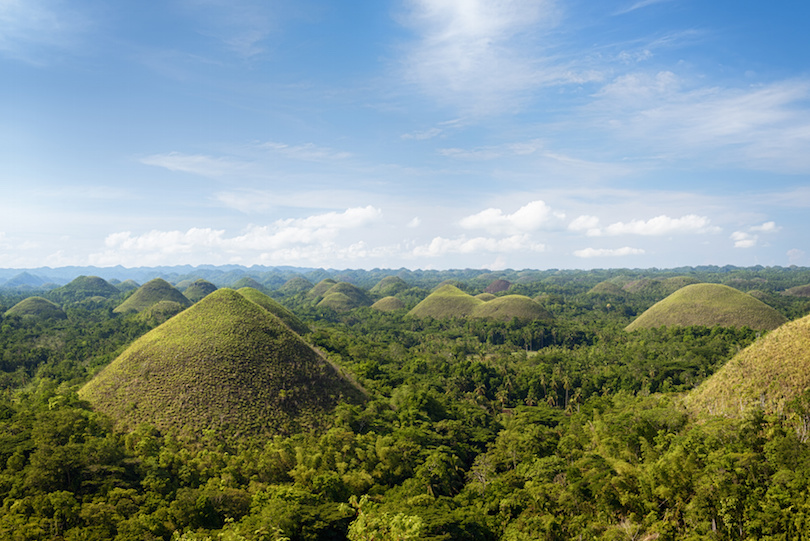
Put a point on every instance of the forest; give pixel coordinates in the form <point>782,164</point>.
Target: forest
<point>470,428</point>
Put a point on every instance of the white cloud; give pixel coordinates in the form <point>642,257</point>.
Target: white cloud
<point>30,27</point>
<point>589,224</point>
<point>441,246</point>
<point>197,164</point>
<point>660,225</point>
<point>305,152</point>
<point>744,240</point>
<point>767,227</point>
<point>415,222</point>
<point>588,253</point>
<point>530,217</point>
<point>796,256</point>
<point>422,135</point>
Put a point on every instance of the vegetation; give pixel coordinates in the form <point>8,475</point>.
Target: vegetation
<point>221,423</point>
<point>149,294</point>
<point>510,307</point>
<point>36,307</point>
<point>82,288</point>
<point>389,304</point>
<point>275,308</point>
<point>446,301</point>
<point>389,286</point>
<point>708,305</point>
<point>198,289</point>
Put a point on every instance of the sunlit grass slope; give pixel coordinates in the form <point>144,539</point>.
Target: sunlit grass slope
<point>161,311</point>
<point>225,364</point>
<point>389,304</point>
<point>768,374</point>
<point>709,305</point>
<point>446,301</point>
<point>344,296</point>
<point>388,286</point>
<point>84,287</point>
<point>289,319</point>
<point>151,293</point>
<point>36,307</point>
<point>486,297</point>
<point>297,284</point>
<point>509,307</point>
<point>319,290</point>
<point>198,289</point>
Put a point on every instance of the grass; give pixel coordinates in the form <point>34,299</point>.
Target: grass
<point>287,317</point>
<point>225,364</point>
<point>798,291</point>
<point>486,297</point>
<point>344,296</point>
<point>446,301</point>
<point>388,286</point>
<point>389,304</point>
<point>768,374</point>
<point>509,307</point>
<point>319,290</point>
<point>149,294</point>
<point>37,307</point>
<point>709,305</point>
<point>84,287</point>
<point>161,311</point>
<point>498,286</point>
<point>297,284</point>
<point>198,289</point>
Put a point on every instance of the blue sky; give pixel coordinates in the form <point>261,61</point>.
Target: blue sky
<point>421,134</point>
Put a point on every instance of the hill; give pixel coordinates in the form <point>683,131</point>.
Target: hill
<point>509,307</point>
<point>388,286</point>
<point>160,312</point>
<point>247,281</point>
<point>149,294</point>
<point>127,285</point>
<point>389,304</point>
<point>287,317</point>
<point>198,289</point>
<point>82,288</point>
<point>498,286</point>
<point>36,307</point>
<point>709,305</point>
<point>225,364</point>
<point>768,374</point>
<point>297,284</point>
<point>798,291</point>
<point>446,301</point>
<point>319,290</point>
<point>344,296</point>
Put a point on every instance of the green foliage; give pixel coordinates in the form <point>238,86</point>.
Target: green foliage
<point>37,307</point>
<point>149,294</point>
<point>289,319</point>
<point>198,289</point>
<point>82,288</point>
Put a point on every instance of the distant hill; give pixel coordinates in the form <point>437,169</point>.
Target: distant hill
<point>389,304</point>
<point>296,284</point>
<point>224,364</point>
<point>150,294</point>
<point>36,307</point>
<point>272,306</point>
<point>127,285</point>
<point>82,288</point>
<point>319,290</point>
<point>498,286</point>
<point>508,307</point>
<point>344,296</point>
<point>247,281</point>
<point>798,291</point>
<point>709,305</point>
<point>25,280</point>
<point>446,301</point>
<point>390,285</point>
<point>486,297</point>
<point>160,312</point>
<point>198,289</point>
<point>768,374</point>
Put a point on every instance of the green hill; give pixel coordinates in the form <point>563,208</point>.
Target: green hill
<point>160,312</point>
<point>389,304</point>
<point>224,364</point>
<point>609,288</point>
<point>199,289</point>
<point>509,307</point>
<point>149,294</point>
<point>127,285</point>
<point>319,290</point>
<point>388,286</point>
<point>486,297</point>
<point>82,288</point>
<point>290,319</point>
<point>36,307</point>
<point>709,305</point>
<point>768,374</point>
<point>498,286</point>
<point>344,296</point>
<point>295,285</point>
<point>247,281</point>
<point>446,301</point>
<point>798,291</point>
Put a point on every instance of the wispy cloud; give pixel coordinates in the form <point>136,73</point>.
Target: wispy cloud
<point>30,28</point>
<point>441,246</point>
<point>198,164</point>
<point>588,253</point>
<point>306,152</point>
<point>639,5</point>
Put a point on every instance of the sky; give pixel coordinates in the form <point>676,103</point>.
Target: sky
<point>426,134</point>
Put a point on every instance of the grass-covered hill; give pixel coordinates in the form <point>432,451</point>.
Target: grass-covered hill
<point>149,294</point>
<point>295,285</point>
<point>389,304</point>
<point>446,301</point>
<point>198,289</point>
<point>287,317</point>
<point>318,291</point>
<point>160,312</point>
<point>225,364</point>
<point>485,296</point>
<point>709,305</point>
<point>127,285</point>
<point>798,291</point>
<point>389,286</point>
<point>498,286</point>
<point>344,296</point>
<point>247,281</point>
<point>37,307</point>
<point>82,288</point>
<point>769,374</point>
<point>509,307</point>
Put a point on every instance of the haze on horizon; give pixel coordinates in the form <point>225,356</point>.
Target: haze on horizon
<point>412,133</point>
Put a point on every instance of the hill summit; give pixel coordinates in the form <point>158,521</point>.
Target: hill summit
<point>224,364</point>
<point>149,294</point>
<point>709,305</point>
<point>768,374</point>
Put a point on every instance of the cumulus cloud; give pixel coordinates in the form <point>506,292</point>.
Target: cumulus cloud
<point>750,238</point>
<point>529,217</point>
<point>660,225</point>
<point>589,224</point>
<point>440,246</point>
<point>587,253</point>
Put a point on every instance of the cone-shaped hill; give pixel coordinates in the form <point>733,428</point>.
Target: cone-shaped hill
<point>344,296</point>
<point>224,364</point>
<point>247,281</point>
<point>37,307</point>
<point>389,286</point>
<point>498,286</point>
<point>768,374</point>
<point>709,305</point>
<point>389,304</point>
<point>287,317</point>
<point>446,301</point>
<point>84,287</point>
<point>296,284</point>
<point>509,307</point>
<point>198,289</point>
<point>319,290</point>
<point>798,291</point>
<point>127,285</point>
<point>149,294</point>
